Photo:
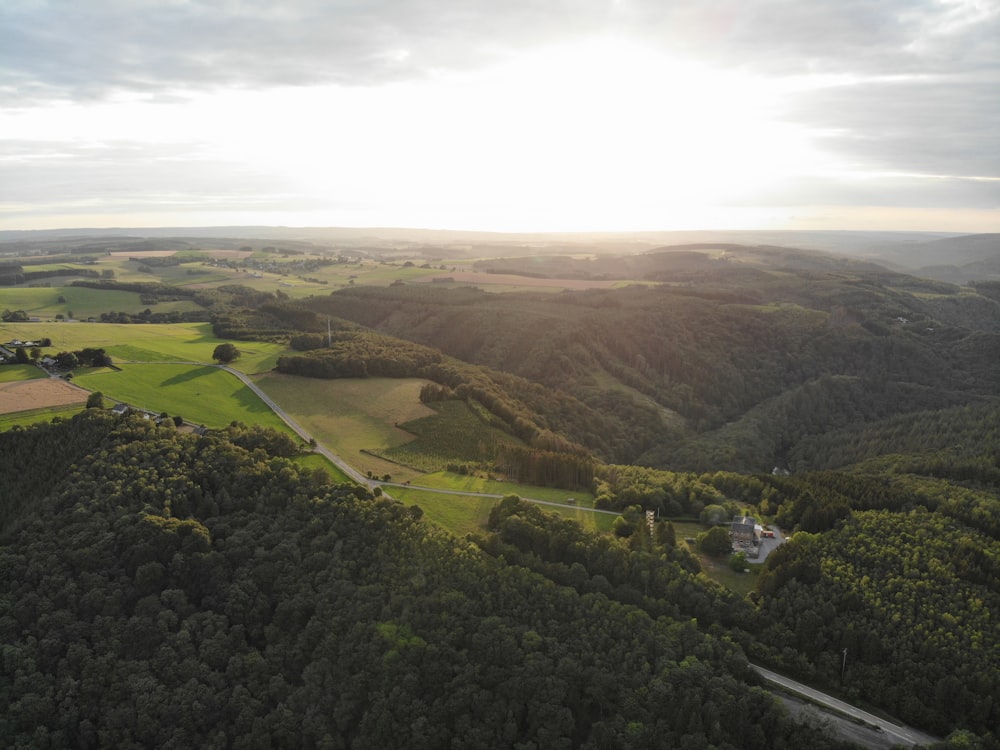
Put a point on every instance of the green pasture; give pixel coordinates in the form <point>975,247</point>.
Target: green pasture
<point>34,416</point>
<point>447,480</point>
<point>451,433</point>
<point>352,417</point>
<point>43,302</point>
<point>317,461</point>
<point>14,373</point>
<point>468,514</point>
<point>458,514</point>
<point>146,342</point>
<point>201,394</point>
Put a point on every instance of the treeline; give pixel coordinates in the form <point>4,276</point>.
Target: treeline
<point>14,275</point>
<point>150,289</point>
<point>149,316</point>
<point>178,590</point>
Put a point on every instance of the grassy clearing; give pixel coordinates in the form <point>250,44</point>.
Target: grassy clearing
<point>43,302</point>
<point>446,480</point>
<point>352,417</point>
<point>34,416</point>
<point>466,514</point>
<point>180,342</point>
<point>15,373</point>
<point>460,515</point>
<point>452,433</point>
<point>316,461</point>
<point>718,568</point>
<point>199,393</point>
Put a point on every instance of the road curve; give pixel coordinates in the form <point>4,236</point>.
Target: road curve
<point>299,430</point>
<point>901,735</point>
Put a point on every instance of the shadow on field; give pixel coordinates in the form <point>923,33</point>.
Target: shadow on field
<point>187,376</point>
<point>250,401</point>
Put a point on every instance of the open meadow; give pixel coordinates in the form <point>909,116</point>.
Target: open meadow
<point>75,302</point>
<point>18,373</point>
<point>352,417</point>
<point>202,394</point>
<point>467,514</point>
<point>145,342</point>
<point>34,416</point>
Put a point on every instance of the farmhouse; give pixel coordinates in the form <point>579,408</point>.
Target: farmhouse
<point>744,531</point>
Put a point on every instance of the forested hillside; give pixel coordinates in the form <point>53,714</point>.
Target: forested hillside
<point>166,590</point>
<point>723,365</point>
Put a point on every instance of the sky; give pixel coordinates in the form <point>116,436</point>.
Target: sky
<point>521,115</point>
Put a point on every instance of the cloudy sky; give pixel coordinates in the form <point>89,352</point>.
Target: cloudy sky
<point>521,115</point>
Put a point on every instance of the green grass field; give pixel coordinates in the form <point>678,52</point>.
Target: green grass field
<point>452,433</point>
<point>457,514</point>
<point>352,417</point>
<point>43,302</point>
<point>450,481</point>
<point>462,514</point>
<point>316,461</point>
<point>201,394</point>
<point>14,373</point>
<point>34,416</point>
<point>180,342</point>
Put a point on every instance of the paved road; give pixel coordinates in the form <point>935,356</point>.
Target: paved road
<point>901,735</point>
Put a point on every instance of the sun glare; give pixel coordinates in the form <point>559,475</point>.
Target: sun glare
<point>601,134</point>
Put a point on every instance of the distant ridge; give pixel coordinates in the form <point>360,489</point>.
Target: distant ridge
<point>954,258</point>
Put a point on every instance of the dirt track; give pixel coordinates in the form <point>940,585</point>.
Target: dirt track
<point>36,394</point>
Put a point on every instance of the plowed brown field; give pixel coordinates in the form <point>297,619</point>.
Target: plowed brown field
<point>36,394</point>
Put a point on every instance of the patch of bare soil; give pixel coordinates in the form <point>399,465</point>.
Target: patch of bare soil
<point>37,394</point>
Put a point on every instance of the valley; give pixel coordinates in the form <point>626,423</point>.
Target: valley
<point>854,407</point>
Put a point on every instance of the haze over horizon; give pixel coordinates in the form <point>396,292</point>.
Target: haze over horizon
<point>603,115</point>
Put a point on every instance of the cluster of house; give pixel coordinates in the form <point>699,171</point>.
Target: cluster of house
<point>122,409</point>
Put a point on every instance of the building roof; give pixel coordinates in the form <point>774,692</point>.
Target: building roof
<point>743,523</point>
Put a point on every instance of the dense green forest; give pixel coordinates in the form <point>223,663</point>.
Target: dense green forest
<point>732,369</point>
<point>176,590</point>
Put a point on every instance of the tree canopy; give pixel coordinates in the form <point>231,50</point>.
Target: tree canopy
<point>226,353</point>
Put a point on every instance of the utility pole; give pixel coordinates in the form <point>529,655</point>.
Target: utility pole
<point>843,667</point>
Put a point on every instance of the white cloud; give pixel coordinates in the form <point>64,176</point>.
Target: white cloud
<point>619,114</point>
